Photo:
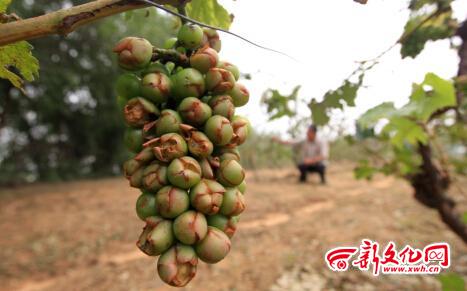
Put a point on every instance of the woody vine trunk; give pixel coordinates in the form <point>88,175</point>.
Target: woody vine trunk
<point>431,183</point>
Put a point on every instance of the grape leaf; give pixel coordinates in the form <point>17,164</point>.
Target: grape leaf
<point>209,12</point>
<point>334,99</point>
<point>419,29</point>
<point>364,170</point>
<point>4,5</point>
<point>349,92</point>
<point>18,56</point>
<point>407,161</point>
<point>278,105</point>
<point>418,4</point>
<point>403,130</point>
<point>423,104</point>
<point>319,112</point>
<point>373,115</point>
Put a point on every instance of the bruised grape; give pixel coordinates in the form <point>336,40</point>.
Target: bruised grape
<point>229,67</point>
<point>219,130</point>
<point>156,87</point>
<point>188,83</point>
<point>204,59</point>
<point>177,266</point>
<point>219,81</point>
<point>214,247</point>
<point>193,111</point>
<point>190,227</point>
<point>134,53</point>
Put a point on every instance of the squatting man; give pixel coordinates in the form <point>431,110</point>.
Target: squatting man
<point>312,154</point>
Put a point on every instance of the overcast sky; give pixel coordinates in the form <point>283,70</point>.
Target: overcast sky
<point>328,37</point>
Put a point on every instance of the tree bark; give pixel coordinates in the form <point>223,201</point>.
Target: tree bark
<point>430,183</point>
<point>67,20</point>
<point>430,186</point>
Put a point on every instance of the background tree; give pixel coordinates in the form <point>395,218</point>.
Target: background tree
<point>67,124</point>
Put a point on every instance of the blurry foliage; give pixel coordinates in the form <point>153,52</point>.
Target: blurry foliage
<point>16,61</point>
<point>364,170</point>
<point>418,4</point>
<point>451,282</point>
<point>4,5</point>
<point>209,12</point>
<point>334,99</point>
<point>406,127</point>
<point>67,124</point>
<point>278,105</point>
<point>425,25</point>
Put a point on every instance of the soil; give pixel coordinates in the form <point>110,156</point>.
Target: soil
<point>81,235</point>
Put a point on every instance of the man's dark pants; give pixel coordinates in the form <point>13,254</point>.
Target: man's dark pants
<point>319,168</point>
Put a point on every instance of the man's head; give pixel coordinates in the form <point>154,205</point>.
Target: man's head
<point>311,133</point>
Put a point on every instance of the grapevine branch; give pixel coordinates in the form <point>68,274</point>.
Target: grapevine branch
<point>430,187</point>
<point>65,21</point>
<point>431,183</point>
<point>182,10</point>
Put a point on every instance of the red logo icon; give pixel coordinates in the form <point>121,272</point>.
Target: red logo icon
<point>338,258</point>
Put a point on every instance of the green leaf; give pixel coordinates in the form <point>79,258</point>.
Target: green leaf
<point>18,55</point>
<point>423,104</point>
<point>464,217</point>
<point>418,4</point>
<point>4,5</point>
<point>451,282</point>
<point>319,112</point>
<point>408,162</point>
<point>278,105</point>
<point>404,130</point>
<point>373,115</point>
<point>349,92</point>
<point>334,99</point>
<point>422,28</point>
<point>345,94</point>
<point>209,12</point>
<point>364,170</point>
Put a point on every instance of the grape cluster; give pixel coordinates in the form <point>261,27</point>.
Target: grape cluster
<point>179,103</point>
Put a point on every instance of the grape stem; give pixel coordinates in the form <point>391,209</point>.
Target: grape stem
<point>187,19</point>
<point>170,55</point>
<point>181,9</point>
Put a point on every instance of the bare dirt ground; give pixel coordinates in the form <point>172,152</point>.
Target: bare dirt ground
<point>81,235</point>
